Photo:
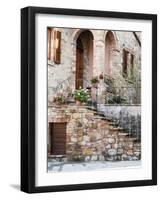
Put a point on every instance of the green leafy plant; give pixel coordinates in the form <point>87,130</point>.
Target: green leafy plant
<point>81,95</point>
<point>116,99</point>
<point>94,80</point>
<point>59,100</point>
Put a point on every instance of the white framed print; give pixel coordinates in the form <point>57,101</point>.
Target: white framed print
<point>89,99</point>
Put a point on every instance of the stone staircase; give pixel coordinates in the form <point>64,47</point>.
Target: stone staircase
<point>121,145</point>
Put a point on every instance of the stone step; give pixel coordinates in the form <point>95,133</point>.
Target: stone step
<point>100,117</point>
<point>128,139</point>
<point>103,118</point>
<point>108,119</point>
<point>115,129</point>
<point>114,124</point>
<point>92,108</point>
<point>123,134</point>
<point>99,114</point>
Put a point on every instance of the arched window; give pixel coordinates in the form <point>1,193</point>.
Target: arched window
<point>84,58</point>
<point>110,46</point>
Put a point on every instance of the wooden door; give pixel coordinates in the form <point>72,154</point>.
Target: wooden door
<point>79,65</point>
<point>57,138</point>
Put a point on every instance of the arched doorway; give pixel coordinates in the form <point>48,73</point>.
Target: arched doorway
<point>84,59</point>
<point>79,64</point>
<point>110,46</point>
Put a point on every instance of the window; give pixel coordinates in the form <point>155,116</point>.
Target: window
<point>125,63</point>
<point>57,133</point>
<point>128,63</point>
<point>57,47</point>
<point>131,64</point>
<point>49,43</point>
<point>54,45</point>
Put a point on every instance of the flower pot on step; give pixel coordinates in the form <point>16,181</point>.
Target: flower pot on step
<point>78,103</point>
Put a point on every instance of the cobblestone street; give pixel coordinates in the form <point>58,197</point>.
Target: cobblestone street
<point>93,165</point>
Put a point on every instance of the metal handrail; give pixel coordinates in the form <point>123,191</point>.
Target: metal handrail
<point>55,89</point>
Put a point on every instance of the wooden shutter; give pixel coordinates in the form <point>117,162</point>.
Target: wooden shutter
<point>57,40</point>
<point>125,62</point>
<point>131,64</point>
<point>58,138</point>
<point>49,43</point>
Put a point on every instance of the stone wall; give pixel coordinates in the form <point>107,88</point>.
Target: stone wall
<point>127,117</point>
<point>59,73</point>
<point>89,137</point>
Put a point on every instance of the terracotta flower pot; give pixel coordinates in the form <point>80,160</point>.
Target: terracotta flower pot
<point>101,76</point>
<point>78,103</point>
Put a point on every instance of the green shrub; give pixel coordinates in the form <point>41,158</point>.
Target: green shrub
<point>81,95</point>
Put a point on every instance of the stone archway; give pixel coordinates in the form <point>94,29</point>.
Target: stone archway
<point>84,59</point>
<point>110,47</point>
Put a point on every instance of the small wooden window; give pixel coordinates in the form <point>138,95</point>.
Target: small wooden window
<point>57,47</point>
<point>57,138</point>
<point>128,63</point>
<point>131,64</point>
<point>125,63</point>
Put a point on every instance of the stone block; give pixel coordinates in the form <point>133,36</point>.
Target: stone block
<point>124,157</point>
<point>101,158</point>
<point>79,139</point>
<point>129,145</point>
<point>115,145</point>
<point>73,139</point>
<point>120,151</point>
<point>93,138</point>
<point>110,158</point>
<point>109,146</point>
<point>112,152</point>
<point>129,152</point>
<point>111,140</point>
<point>135,158</point>
<point>87,152</point>
<point>137,153</point>
<point>87,158</point>
<point>86,138</point>
<point>94,157</point>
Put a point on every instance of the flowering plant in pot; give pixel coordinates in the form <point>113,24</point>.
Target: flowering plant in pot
<point>80,96</point>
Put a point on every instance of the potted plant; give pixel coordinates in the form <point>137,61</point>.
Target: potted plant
<point>80,96</point>
<point>101,76</point>
<point>94,81</point>
<point>59,100</point>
